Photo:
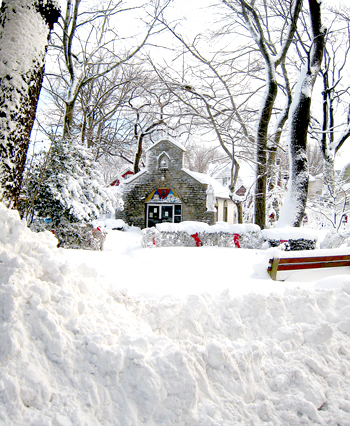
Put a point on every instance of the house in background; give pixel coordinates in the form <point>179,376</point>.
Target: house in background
<point>126,174</point>
<point>167,192</point>
<point>315,187</point>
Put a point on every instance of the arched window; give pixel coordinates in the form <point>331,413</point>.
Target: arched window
<point>163,161</point>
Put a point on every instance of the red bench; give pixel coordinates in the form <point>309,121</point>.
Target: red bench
<point>299,263</point>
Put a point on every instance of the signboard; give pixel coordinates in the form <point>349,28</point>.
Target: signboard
<point>164,195</point>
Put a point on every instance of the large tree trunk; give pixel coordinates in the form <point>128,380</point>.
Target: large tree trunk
<point>273,171</point>
<point>261,181</point>
<point>295,203</point>
<point>24,30</point>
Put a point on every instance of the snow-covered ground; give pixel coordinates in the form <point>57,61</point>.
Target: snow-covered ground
<point>166,336</point>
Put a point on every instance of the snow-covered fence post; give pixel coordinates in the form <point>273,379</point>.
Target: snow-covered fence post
<point>24,31</point>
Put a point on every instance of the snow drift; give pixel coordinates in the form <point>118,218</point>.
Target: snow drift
<point>72,353</point>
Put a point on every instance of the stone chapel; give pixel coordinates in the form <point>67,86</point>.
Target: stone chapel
<point>167,192</point>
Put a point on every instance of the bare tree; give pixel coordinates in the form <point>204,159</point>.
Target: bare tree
<point>274,146</point>
<point>203,158</point>
<point>314,159</point>
<point>210,100</point>
<point>256,18</point>
<point>24,30</point>
<point>295,202</point>
<point>148,109</point>
<point>268,34</point>
<point>89,47</point>
<point>334,91</point>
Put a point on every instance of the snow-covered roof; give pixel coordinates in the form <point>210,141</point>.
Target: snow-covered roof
<point>223,173</point>
<point>167,139</point>
<point>220,191</point>
<point>130,179</point>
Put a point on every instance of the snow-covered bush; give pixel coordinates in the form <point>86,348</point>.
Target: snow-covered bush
<point>150,238</point>
<point>74,235</point>
<point>69,186</point>
<point>66,189</point>
<point>334,239</point>
<point>196,234</point>
<point>291,238</point>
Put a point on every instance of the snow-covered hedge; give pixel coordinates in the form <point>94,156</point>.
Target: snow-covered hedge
<point>75,235</point>
<point>291,238</point>
<point>196,234</point>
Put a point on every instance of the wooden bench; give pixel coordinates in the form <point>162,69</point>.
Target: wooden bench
<point>312,262</point>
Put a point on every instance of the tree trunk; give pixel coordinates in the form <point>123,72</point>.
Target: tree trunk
<point>24,30</point>
<point>295,203</point>
<point>239,207</point>
<point>272,172</point>
<point>138,154</point>
<point>329,174</point>
<point>260,187</point>
<point>68,118</point>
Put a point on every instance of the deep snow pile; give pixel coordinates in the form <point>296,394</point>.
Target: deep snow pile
<point>72,353</point>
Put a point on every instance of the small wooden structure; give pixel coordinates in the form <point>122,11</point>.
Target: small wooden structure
<point>306,262</point>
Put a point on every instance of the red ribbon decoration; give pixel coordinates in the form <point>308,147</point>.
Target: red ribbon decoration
<point>236,240</point>
<point>283,241</point>
<point>197,240</point>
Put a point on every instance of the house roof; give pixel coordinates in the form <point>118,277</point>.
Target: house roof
<point>220,191</point>
<point>168,139</point>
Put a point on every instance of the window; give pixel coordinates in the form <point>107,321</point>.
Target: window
<point>159,213</point>
<point>177,213</point>
<point>225,211</point>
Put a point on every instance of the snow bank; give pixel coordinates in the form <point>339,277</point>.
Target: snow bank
<point>72,353</point>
